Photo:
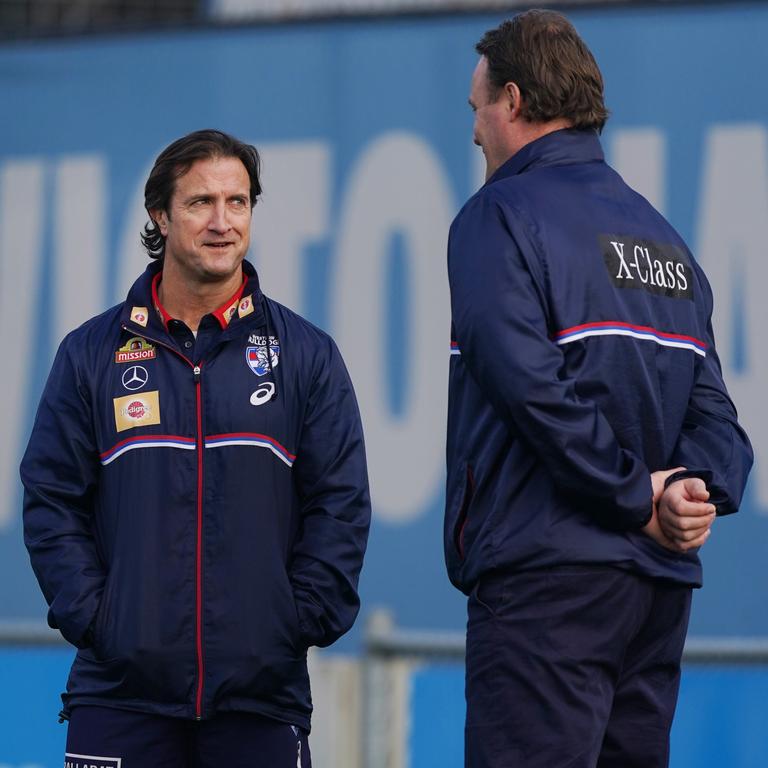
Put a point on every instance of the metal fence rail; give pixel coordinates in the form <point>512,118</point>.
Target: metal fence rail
<point>384,640</point>
<point>28,633</point>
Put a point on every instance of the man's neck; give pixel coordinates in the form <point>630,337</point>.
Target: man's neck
<point>191,301</point>
<point>523,134</point>
<point>532,131</point>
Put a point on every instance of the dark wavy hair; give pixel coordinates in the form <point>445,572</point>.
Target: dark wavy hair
<point>557,75</point>
<point>175,160</point>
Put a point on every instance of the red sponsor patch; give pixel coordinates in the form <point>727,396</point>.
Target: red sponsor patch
<point>136,409</point>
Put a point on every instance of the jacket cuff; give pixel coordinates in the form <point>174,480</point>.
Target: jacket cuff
<point>702,474</point>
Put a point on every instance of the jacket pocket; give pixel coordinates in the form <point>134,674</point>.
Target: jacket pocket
<point>463,514</point>
<point>100,627</point>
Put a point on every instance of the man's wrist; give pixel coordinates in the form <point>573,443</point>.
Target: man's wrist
<point>702,474</point>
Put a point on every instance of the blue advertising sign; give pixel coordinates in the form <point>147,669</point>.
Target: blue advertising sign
<point>366,140</point>
<point>730,696</point>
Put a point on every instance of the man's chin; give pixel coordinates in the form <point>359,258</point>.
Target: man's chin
<point>219,272</point>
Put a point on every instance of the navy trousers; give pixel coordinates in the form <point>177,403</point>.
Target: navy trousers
<point>573,667</point>
<point>102,737</point>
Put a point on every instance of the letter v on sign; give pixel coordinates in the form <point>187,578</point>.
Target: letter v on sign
<point>77,277</point>
<point>22,224</point>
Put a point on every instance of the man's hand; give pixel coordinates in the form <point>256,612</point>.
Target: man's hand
<point>684,514</point>
<point>653,528</point>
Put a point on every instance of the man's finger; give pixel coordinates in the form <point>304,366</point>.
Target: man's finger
<point>682,524</point>
<point>699,541</point>
<point>686,508</point>
<point>692,534</point>
<point>696,488</point>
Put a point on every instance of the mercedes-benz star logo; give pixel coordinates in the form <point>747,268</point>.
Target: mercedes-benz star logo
<point>135,377</point>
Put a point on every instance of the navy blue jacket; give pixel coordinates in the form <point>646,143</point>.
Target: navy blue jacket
<point>582,360</point>
<point>197,520</point>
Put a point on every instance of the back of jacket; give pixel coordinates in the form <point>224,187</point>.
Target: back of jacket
<point>582,360</point>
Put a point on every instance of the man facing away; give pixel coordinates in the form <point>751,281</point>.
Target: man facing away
<point>591,439</point>
<point>196,506</point>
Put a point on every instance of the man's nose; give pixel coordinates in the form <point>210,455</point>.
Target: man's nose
<point>219,221</point>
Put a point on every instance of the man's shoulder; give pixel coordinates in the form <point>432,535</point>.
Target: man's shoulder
<point>309,336</point>
<point>495,195</point>
<point>494,209</point>
<point>96,331</point>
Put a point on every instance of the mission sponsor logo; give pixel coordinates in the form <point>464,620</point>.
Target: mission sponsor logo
<point>660,268</point>
<point>137,410</point>
<point>256,356</point>
<point>135,349</point>
<point>72,760</point>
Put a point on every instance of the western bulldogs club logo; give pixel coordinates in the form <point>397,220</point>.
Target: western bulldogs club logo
<point>256,356</point>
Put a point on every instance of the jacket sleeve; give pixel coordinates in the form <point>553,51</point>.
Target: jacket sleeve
<point>59,473</point>
<point>712,445</point>
<point>332,482</point>
<point>499,309</point>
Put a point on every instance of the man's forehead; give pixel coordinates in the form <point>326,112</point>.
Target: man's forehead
<point>214,171</point>
<point>480,81</point>
<point>480,74</point>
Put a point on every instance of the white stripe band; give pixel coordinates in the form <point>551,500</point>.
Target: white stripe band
<point>253,444</point>
<point>159,444</point>
<point>635,335</point>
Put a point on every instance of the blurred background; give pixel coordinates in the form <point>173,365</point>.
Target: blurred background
<point>359,108</point>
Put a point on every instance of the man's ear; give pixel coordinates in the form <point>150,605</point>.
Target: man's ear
<point>514,99</point>
<point>160,218</point>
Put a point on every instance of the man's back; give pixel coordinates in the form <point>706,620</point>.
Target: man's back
<point>592,284</point>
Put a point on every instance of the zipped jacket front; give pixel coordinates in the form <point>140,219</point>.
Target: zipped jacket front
<point>197,522</point>
<point>582,360</point>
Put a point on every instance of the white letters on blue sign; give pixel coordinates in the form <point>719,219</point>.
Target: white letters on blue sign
<point>639,155</point>
<point>79,242</point>
<point>293,212</point>
<point>398,186</point>
<point>22,224</point>
<point>733,230</point>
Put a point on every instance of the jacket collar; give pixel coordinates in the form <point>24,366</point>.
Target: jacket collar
<point>563,147</point>
<point>142,314</point>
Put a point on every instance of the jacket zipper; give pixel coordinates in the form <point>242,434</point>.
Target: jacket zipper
<point>196,369</point>
<point>199,565</point>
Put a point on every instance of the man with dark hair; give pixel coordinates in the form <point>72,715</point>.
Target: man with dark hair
<point>196,500</point>
<point>591,439</point>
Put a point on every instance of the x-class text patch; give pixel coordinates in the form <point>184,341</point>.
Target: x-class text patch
<point>660,268</point>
